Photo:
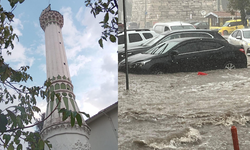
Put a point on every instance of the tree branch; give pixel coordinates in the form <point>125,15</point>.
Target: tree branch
<point>10,130</point>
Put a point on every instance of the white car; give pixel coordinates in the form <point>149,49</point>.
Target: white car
<point>169,26</point>
<point>241,37</point>
<point>135,37</point>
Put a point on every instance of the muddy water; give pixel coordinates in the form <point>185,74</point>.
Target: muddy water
<point>184,111</point>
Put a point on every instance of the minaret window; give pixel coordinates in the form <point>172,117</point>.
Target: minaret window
<point>59,42</point>
<point>63,86</point>
<point>57,86</point>
<point>51,88</point>
<point>68,87</point>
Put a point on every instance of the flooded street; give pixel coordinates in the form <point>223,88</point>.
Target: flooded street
<point>184,111</point>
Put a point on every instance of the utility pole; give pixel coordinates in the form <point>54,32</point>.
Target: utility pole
<point>125,40</point>
<point>145,21</point>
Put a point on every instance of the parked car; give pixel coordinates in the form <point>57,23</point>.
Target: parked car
<point>230,25</point>
<point>187,54</point>
<point>169,26</point>
<point>201,25</point>
<point>241,37</point>
<point>135,37</point>
<point>168,36</point>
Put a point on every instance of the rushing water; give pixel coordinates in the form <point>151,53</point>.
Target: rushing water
<point>184,111</point>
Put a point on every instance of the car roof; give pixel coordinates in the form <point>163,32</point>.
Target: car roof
<point>246,29</point>
<point>191,38</point>
<point>136,30</point>
<point>189,30</point>
<point>172,23</point>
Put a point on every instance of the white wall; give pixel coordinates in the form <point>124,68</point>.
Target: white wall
<point>103,134</point>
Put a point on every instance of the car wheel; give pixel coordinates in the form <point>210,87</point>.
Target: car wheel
<point>157,71</point>
<point>225,32</point>
<point>229,66</point>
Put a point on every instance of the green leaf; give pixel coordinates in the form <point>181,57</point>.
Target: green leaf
<point>7,138</point>
<point>11,147</point>
<point>36,109</point>
<point>112,38</point>
<point>72,119</point>
<point>2,17</point>
<point>20,147</point>
<point>100,43</point>
<point>85,114</point>
<point>79,119</point>
<point>106,17</point>
<point>3,123</point>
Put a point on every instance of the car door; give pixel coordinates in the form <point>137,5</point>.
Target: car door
<point>210,54</point>
<point>232,37</point>
<point>238,38</point>
<point>187,57</point>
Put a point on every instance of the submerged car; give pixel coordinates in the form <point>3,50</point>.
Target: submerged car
<point>168,36</point>
<point>187,54</point>
<point>241,37</point>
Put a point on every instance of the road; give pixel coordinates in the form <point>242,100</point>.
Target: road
<point>184,111</point>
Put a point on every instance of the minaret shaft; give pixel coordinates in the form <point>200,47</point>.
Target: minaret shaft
<point>60,133</point>
<point>56,61</point>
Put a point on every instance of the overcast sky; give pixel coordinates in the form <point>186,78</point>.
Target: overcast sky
<point>93,70</point>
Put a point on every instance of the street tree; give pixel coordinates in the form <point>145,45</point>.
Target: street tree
<point>18,101</point>
<point>110,21</point>
<point>242,6</point>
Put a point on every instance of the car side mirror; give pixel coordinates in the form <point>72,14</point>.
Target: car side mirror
<point>239,37</point>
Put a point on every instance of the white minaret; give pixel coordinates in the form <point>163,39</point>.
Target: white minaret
<point>60,133</point>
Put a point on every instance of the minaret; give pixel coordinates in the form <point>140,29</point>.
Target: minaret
<point>60,133</point>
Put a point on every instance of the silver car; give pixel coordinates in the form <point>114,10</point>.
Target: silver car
<point>241,37</point>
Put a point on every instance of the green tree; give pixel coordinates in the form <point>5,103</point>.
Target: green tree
<point>39,128</point>
<point>110,21</point>
<point>242,6</point>
<point>20,100</point>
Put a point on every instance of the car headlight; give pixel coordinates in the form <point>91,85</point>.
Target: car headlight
<point>142,63</point>
<point>248,44</point>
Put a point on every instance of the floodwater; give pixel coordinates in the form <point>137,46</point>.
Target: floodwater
<point>184,111</point>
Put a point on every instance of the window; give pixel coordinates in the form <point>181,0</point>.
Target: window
<point>121,39</point>
<point>159,29</point>
<point>57,86</point>
<point>207,45</point>
<point>187,48</point>
<point>195,35</point>
<point>239,34</point>
<point>235,33</point>
<point>134,37</point>
<point>147,35</point>
<point>166,28</point>
<point>63,86</point>
<point>246,34</point>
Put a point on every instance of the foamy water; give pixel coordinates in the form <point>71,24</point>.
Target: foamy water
<point>184,111</point>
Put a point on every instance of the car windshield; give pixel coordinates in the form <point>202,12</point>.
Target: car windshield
<point>182,27</point>
<point>226,24</point>
<point>246,34</point>
<point>153,40</point>
<point>162,48</point>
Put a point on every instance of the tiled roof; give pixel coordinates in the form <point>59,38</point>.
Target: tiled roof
<point>223,14</point>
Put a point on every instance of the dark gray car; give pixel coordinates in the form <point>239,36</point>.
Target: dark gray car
<point>168,36</point>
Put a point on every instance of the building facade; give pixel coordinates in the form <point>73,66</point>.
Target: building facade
<point>60,133</point>
<point>104,129</point>
<point>148,12</point>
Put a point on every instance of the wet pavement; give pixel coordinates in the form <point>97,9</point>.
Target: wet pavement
<point>184,111</point>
